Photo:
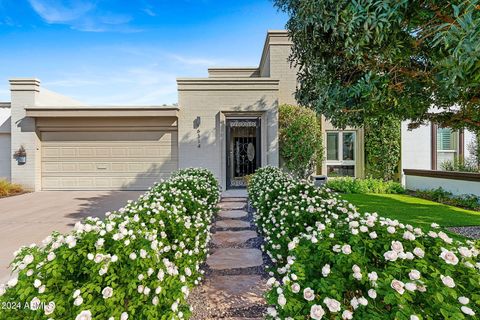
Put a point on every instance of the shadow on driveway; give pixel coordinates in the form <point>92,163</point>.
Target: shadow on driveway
<point>30,218</point>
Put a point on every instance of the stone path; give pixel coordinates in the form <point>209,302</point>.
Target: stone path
<point>235,280</point>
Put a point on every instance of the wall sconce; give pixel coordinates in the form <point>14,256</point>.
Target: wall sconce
<point>20,155</point>
<point>196,122</point>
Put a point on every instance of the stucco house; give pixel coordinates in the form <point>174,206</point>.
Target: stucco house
<point>227,122</point>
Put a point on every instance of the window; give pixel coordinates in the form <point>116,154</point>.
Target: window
<point>341,153</point>
<point>447,146</point>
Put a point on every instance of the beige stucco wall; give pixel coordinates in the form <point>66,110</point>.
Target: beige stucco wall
<point>211,100</point>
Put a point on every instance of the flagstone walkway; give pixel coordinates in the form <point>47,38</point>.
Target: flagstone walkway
<point>235,280</point>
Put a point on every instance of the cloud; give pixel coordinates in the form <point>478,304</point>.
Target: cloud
<point>149,11</point>
<point>81,15</point>
<point>196,61</point>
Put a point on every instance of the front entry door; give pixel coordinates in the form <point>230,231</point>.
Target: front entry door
<point>243,150</point>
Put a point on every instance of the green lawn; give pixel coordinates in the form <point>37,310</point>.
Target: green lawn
<point>415,211</point>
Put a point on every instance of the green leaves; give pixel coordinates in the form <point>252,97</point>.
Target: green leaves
<point>371,59</point>
<point>300,138</point>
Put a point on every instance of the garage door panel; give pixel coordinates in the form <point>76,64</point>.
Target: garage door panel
<point>119,164</point>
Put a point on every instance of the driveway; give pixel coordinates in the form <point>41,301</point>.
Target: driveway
<point>29,218</point>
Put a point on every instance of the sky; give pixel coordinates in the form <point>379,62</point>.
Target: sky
<point>128,52</point>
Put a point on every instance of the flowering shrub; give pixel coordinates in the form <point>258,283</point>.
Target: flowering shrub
<point>139,263</point>
<point>332,262</point>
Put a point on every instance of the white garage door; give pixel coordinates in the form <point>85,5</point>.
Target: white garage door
<point>107,160</point>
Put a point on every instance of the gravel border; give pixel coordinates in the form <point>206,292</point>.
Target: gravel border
<point>472,232</point>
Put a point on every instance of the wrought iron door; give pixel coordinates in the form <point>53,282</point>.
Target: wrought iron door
<point>243,150</point>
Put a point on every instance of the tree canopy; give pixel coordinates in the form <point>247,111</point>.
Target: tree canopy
<point>360,59</point>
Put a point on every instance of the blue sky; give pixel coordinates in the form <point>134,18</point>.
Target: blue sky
<point>128,52</point>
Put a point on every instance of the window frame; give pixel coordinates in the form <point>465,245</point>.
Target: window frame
<point>340,161</point>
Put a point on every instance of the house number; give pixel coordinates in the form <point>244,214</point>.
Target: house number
<point>198,137</point>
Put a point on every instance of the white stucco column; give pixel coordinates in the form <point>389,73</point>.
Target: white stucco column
<point>24,93</point>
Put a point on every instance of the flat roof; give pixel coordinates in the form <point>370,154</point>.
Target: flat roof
<point>102,111</point>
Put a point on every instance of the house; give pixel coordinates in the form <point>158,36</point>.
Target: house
<point>226,122</point>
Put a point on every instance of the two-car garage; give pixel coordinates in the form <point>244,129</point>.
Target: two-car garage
<point>106,153</point>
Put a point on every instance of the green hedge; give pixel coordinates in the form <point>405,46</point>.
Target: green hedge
<point>467,201</point>
<point>369,185</point>
<point>138,263</point>
<point>300,137</point>
<point>331,262</point>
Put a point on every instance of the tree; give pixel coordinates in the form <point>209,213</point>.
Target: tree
<point>300,136</point>
<point>361,59</point>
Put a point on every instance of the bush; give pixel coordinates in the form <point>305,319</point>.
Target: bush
<point>382,147</point>
<point>332,262</point>
<point>369,185</point>
<point>300,136</point>
<point>9,189</point>
<point>139,263</point>
<point>458,165</point>
<point>467,201</point>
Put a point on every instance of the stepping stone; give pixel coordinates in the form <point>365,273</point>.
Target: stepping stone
<point>233,214</point>
<point>232,205</point>
<point>242,291</point>
<point>233,199</point>
<point>229,258</point>
<point>222,238</point>
<point>228,224</point>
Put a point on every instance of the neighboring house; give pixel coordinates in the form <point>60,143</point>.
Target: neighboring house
<point>227,122</point>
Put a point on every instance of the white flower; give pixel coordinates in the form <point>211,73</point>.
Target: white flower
<point>76,293</point>
<point>347,315</point>
<point>49,308</point>
<point>37,283</point>
<point>414,317</point>
<point>155,301</point>
<point>356,269</point>
<point>124,316</point>
<point>27,259</point>
<point>465,252</point>
<point>398,286</point>
<point>295,288</point>
<point>132,256</point>
<point>51,256</point>
<point>107,292</point>
<point>326,270</point>
<point>448,281</point>
<point>372,293</point>
<point>410,286</point>
<point>41,289</point>
<point>281,300</point>
<point>397,246</point>
<point>449,257</point>
<point>362,301</point>
<point>84,315</point>
<point>308,294</point>
<point>332,304</point>
<point>372,276</point>
<point>467,311</point>
<point>463,300</point>
<point>12,282</point>
<point>174,306</point>
<point>272,312</point>
<point>78,301</point>
<point>391,230</point>
<point>373,235</point>
<point>114,258</point>
<point>414,274</point>
<point>316,312</point>
<point>346,249</point>
<point>390,255</point>
<point>419,252</point>
<point>35,303</point>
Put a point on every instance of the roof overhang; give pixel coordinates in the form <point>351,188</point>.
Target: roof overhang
<point>113,111</point>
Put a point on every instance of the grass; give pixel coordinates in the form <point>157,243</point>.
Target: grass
<point>9,189</point>
<point>412,210</point>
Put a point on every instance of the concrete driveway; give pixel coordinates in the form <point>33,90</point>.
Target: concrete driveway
<point>29,218</point>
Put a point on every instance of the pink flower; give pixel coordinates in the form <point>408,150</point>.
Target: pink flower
<point>316,312</point>
<point>332,304</point>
